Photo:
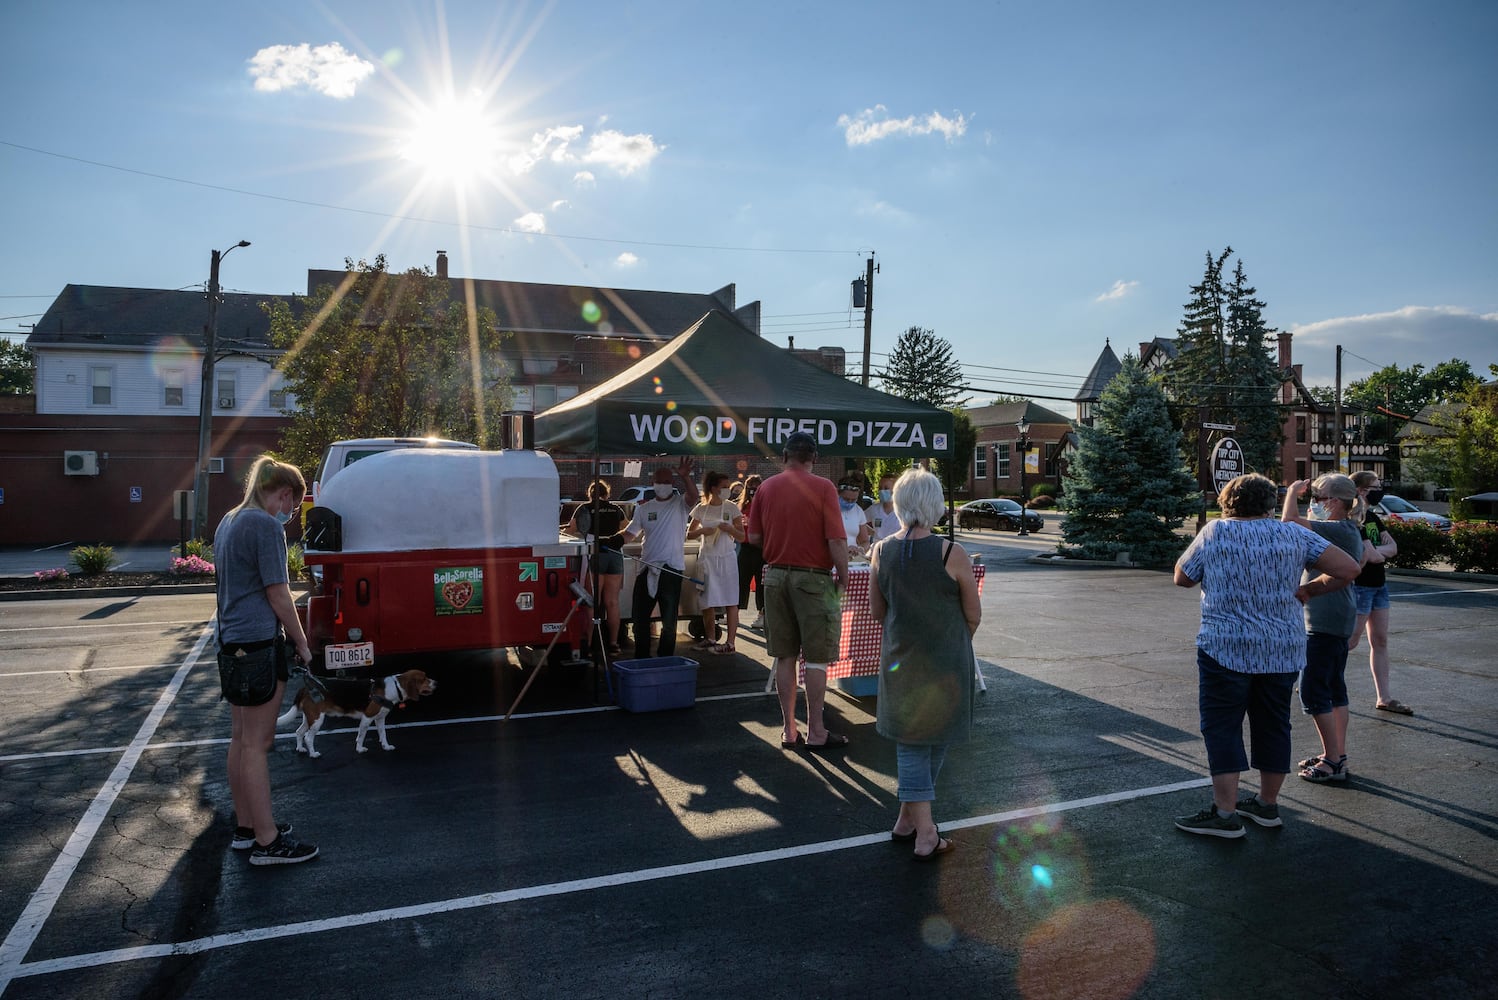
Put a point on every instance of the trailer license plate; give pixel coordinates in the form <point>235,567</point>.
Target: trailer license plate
<point>343,655</point>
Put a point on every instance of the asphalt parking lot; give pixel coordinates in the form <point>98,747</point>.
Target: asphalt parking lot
<point>581,851</point>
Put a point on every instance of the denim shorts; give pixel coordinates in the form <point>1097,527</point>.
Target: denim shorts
<point>1370,598</point>
<point>1224,696</point>
<point>1323,682</point>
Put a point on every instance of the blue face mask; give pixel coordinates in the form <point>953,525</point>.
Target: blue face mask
<point>848,504</point>
<point>886,495</point>
<point>284,517</point>
<point>1318,511</point>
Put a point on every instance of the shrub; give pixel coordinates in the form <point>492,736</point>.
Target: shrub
<point>1042,502</point>
<point>295,564</point>
<point>92,560</point>
<point>47,575</point>
<point>1474,548</point>
<point>200,548</point>
<point>192,566</point>
<point>1419,545</point>
<point>1044,490</point>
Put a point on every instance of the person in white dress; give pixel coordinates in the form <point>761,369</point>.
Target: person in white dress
<point>719,524</point>
<point>855,524</point>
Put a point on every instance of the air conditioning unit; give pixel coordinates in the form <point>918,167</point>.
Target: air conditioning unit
<point>605,468</point>
<point>215,465</point>
<point>80,463</point>
<point>226,402</point>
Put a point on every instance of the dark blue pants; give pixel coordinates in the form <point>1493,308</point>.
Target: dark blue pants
<point>1224,697</point>
<point>668,597</point>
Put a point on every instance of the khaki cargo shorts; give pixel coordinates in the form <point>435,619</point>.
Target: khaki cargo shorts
<point>803,614</point>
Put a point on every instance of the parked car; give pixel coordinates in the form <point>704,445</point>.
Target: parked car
<point>999,514</point>
<point>635,494</point>
<point>1400,510</point>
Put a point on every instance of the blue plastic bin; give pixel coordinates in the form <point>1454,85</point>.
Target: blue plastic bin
<point>657,684</point>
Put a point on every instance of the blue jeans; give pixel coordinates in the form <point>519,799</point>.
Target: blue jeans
<point>918,767</point>
<point>1224,696</point>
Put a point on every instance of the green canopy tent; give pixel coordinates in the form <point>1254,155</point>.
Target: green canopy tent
<point>719,389</point>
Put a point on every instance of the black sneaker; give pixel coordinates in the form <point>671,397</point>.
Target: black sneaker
<point>1252,808</point>
<point>282,851</point>
<point>1211,823</point>
<point>244,837</point>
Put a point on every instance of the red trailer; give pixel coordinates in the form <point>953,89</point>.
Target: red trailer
<point>437,550</point>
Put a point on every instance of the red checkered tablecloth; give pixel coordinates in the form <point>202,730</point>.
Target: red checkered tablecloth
<point>862,632</point>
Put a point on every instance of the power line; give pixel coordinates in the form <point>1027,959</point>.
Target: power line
<point>414,218</point>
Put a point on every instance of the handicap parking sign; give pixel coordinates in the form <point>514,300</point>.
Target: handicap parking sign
<point>135,494</point>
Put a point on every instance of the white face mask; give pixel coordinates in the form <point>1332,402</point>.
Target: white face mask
<point>663,491</point>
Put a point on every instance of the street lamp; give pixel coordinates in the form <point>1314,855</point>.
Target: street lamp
<point>1023,426</point>
<point>206,390</point>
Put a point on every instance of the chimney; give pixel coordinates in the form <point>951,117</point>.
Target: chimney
<point>442,264</point>
<point>1284,341</point>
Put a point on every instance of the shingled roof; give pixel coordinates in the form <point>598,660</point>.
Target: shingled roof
<point>99,315</point>
<point>1103,370</point>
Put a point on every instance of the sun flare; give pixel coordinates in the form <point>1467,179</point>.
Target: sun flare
<point>454,141</point>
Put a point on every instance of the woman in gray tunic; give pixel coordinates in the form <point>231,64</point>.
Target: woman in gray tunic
<point>924,592</point>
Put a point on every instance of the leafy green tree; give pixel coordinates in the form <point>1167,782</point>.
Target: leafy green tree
<point>1253,378</point>
<point>17,368</point>
<point>1465,454</point>
<point>953,471</point>
<point>922,368</point>
<point>1127,489</point>
<point>388,355</point>
<point>1223,371</point>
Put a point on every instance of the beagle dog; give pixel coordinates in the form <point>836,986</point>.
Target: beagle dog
<point>369,701</point>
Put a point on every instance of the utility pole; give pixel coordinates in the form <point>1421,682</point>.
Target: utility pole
<point>868,314</point>
<point>206,393</point>
<point>1337,465</point>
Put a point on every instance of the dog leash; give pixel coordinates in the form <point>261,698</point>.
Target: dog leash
<point>665,569</point>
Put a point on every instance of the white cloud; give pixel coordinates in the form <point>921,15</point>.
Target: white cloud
<point>584,179</point>
<point>881,209</point>
<point>626,259</point>
<point>1119,290</point>
<point>330,69</point>
<point>873,124</point>
<point>624,154</point>
<point>531,222</point>
<point>1426,335</point>
<point>560,203</point>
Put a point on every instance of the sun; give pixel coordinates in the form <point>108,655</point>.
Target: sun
<point>454,140</point>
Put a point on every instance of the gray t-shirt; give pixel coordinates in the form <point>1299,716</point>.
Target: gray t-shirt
<point>249,554</point>
<point>1335,613</point>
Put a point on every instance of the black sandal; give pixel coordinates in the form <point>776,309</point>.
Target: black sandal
<point>1338,771</point>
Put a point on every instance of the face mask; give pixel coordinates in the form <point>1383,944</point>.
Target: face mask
<point>663,491</point>
<point>848,504</point>
<point>1375,496</point>
<point>748,494</point>
<point>283,517</point>
<point>1318,512</point>
<point>886,495</point>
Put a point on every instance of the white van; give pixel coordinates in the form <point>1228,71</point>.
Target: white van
<point>341,454</point>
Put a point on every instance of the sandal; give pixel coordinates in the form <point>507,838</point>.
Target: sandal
<point>701,645</point>
<point>1396,706</point>
<point>1315,773</point>
<point>1310,761</point>
<point>722,649</point>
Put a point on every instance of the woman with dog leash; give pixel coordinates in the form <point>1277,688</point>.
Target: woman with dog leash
<point>255,617</point>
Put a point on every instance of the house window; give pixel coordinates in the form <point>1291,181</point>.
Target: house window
<point>224,391</point>
<point>171,387</point>
<point>1052,452</point>
<point>1300,468</point>
<point>101,385</point>
<point>544,397</point>
<point>1001,460</point>
<point>278,399</point>
<point>1300,431</point>
<point>980,462</point>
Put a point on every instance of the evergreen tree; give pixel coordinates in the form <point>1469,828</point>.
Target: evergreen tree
<point>1196,377</point>
<point>1254,379</point>
<point>388,355</point>
<point>922,368</point>
<point>1126,488</point>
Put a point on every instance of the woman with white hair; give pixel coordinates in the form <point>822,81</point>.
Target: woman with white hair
<point>923,590</point>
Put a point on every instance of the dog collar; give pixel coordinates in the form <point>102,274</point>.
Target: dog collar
<point>393,697</point>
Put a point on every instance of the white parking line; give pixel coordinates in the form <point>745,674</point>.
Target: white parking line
<point>24,933</point>
<point>216,941</point>
<point>1443,593</point>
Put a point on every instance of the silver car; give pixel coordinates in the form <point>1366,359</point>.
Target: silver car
<point>1401,511</point>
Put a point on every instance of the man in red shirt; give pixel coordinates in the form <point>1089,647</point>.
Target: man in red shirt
<point>795,518</point>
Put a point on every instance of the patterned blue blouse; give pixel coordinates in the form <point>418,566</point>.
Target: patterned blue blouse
<point>1249,571</point>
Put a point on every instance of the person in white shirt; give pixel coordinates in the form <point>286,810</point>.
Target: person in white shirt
<point>662,519</point>
<point>854,524</point>
<point>719,524</point>
<point>881,515</point>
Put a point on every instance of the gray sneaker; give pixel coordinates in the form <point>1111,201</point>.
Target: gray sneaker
<point>282,851</point>
<point>244,837</point>
<point>1252,808</point>
<point>1211,823</point>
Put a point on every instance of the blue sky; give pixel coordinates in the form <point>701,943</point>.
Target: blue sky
<point>1034,177</point>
